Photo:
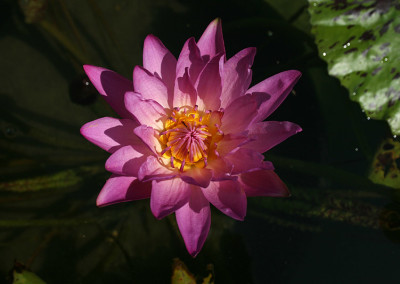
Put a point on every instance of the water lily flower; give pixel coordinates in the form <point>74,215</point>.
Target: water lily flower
<point>191,132</point>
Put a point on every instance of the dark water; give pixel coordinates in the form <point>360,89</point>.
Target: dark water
<point>336,228</point>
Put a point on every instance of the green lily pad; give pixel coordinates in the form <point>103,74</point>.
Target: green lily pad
<point>360,41</point>
<point>386,165</point>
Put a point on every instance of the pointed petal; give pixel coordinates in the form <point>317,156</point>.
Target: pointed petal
<point>121,189</point>
<point>194,221</point>
<point>236,77</point>
<point>263,183</point>
<point>190,58</point>
<point>159,61</point>
<point>149,86</point>
<point>127,160</point>
<point>167,196</point>
<point>209,85</point>
<point>239,114</point>
<point>197,176</point>
<point>110,133</point>
<point>228,197</point>
<point>185,93</point>
<point>149,137</point>
<point>147,112</point>
<point>267,134</point>
<point>111,86</point>
<point>212,41</point>
<point>153,169</point>
<point>245,160</point>
<point>277,88</point>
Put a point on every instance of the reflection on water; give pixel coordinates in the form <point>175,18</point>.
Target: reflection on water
<point>335,220</point>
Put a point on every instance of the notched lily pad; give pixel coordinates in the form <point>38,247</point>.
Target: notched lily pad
<point>360,41</point>
<point>386,165</point>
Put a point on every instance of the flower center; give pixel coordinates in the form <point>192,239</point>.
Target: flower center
<point>189,136</point>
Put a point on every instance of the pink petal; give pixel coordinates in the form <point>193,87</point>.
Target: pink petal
<point>197,176</point>
<point>209,85</point>
<point>236,77</point>
<point>221,169</point>
<point>212,42</point>
<point>121,189</point>
<point>167,196</point>
<point>229,143</point>
<point>159,61</point>
<point>239,114</point>
<point>153,169</point>
<point>110,133</point>
<point>263,183</point>
<point>185,93</point>
<point>147,112</point>
<point>277,88</point>
<point>149,137</point>
<point>194,221</point>
<point>245,160</point>
<point>190,59</point>
<point>111,86</point>
<point>127,160</point>
<point>149,86</point>
<point>267,134</point>
<point>228,197</point>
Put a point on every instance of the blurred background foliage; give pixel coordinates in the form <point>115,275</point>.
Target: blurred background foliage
<point>337,222</point>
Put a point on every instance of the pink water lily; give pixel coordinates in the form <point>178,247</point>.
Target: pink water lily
<point>191,132</point>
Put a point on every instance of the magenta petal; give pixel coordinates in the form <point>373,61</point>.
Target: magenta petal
<point>110,133</point>
<point>239,114</point>
<point>190,59</point>
<point>149,86</point>
<point>197,176</point>
<point>230,142</point>
<point>267,134</point>
<point>245,160</point>
<point>111,86</point>
<point>149,137</point>
<point>209,85</point>
<point>236,77</point>
<point>277,88</point>
<point>228,197</point>
<point>159,61</point>
<point>194,220</point>
<point>152,169</point>
<point>167,196</point>
<point>212,41</point>
<point>147,112</point>
<point>221,169</point>
<point>185,93</point>
<point>127,160</point>
<point>121,189</point>
<point>263,183</point>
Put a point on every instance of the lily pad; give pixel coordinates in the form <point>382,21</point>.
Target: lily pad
<point>386,165</point>
<point>360,41</point>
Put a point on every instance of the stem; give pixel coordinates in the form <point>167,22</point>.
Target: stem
<point>63,40</point>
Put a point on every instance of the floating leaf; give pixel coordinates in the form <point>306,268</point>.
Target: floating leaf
<point>23,276</point>
<point>181,274</point>
<point>360,41</point>
<point>386,165</point>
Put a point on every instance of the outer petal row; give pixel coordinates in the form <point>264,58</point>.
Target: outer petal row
<point>110,133</point>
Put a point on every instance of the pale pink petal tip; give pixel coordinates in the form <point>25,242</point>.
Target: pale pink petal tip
<point>212,42</point>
